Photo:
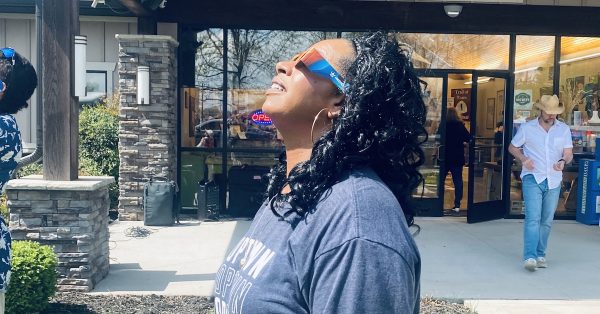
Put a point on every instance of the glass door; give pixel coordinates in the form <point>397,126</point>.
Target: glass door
<point>427,199</point>
<point>486,149</point>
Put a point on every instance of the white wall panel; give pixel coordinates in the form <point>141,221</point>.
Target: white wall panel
<point>19,31</point>
<point>33,107</point>
<point>18,35</point>
<point>95,38</point>
<point>2,32</point>
<point>111,47</point>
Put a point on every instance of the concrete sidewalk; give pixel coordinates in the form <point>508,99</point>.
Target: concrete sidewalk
<point>178,260</point>
<point>484,261</point>
<point>480,263</point>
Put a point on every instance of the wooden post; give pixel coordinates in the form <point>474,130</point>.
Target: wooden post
<point>147,25</point>
<point>60,19</point>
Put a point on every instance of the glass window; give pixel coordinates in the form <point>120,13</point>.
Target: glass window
<point>252,55</point>
<point>534,75</point>
<point>579,88</point>
<point>457,51</point>
<point>202,104</point>
<point>432,96</point>
<point>196,168</point>
<point>579,77</point>
<point>96,83</point>
<point>247,181</point>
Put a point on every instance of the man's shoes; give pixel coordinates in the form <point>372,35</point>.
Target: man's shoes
<point>541,262</point>
<point>456,210</point>
<point>530,264</point>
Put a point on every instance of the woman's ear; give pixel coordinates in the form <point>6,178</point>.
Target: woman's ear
<point>334,114</point>
<point>336,107</point>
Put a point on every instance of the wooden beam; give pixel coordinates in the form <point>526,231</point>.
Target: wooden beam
<point>147,25</point>
<point>61,121</point>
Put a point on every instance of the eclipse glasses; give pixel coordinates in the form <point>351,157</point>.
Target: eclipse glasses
<point>315,63</point>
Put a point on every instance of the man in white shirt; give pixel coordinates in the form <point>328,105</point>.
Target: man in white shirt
<point>547,148</point>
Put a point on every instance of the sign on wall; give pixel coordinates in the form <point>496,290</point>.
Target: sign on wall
<point>523,99</point>
<point>462,101</point>
<point>259,117</point>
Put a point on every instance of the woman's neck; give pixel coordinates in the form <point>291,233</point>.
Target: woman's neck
<point>296,152</point>
<point>299,145</point>
<point>295,156</point>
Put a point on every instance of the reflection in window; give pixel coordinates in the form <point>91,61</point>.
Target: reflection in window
<point>432,90</point>
<point>247,175</point>
<point>579,76</point>
<point>457,51</point>
<point>202,105</point>
<point>534,72</point>
<point>198,167</point>
<point>95,85</point>
<point>432,97</point>
<point>252,55</point>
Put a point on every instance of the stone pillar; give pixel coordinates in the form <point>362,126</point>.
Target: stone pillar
<point>147,132</point>
<point>72,217</point>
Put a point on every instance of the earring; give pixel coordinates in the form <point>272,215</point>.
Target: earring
<point>312,129</point>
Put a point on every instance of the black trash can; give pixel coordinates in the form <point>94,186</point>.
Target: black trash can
<point>247,187</point>
<point>208,200</point>
<point>160,208</point>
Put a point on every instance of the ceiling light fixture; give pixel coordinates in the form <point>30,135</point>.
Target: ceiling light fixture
<point>479,81</point>
<point>528,69</point>
<point>96,2</point>
<point>453,10</point>
<point>593,55</point>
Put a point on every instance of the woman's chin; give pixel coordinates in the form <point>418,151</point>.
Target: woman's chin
<point>271,109</point>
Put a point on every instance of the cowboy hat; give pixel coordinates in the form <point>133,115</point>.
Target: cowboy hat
<point>550,104</point>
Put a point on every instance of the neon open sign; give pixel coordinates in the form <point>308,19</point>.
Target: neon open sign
<point>259,117</point>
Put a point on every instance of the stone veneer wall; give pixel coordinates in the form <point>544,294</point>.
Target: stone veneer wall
<point>147,132</point>
<point>70,216</point>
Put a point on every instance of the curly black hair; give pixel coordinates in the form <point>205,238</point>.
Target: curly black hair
<point>381,125</point>
<point>21,80</point>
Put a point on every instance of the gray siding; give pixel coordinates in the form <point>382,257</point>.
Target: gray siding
<point>19,31</point>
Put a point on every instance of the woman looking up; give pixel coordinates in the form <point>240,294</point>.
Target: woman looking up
<point>333,235</point>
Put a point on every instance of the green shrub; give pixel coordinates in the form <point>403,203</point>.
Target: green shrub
<point>33,278</point>
<point>88,167</point>
<point>99,137</point>
<point>34,168</point>
<point>99,143</point>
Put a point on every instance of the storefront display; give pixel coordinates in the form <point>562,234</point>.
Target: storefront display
<point>224,116</point>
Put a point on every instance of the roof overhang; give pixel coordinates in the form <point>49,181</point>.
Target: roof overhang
<point>350,15</point>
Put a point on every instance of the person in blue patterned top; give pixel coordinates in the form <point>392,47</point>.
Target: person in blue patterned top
<point>18,80</point>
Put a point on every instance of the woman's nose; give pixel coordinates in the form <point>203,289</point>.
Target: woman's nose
<point>284,67</point>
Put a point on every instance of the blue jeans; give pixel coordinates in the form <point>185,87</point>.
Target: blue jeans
<point>540,205</point>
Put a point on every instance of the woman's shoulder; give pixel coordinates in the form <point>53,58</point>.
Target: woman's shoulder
<point>360,190</point>
<point>360,206</point>
<point>8,123</point>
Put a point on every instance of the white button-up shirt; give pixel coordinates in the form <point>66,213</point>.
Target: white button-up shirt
<point>544,148</point>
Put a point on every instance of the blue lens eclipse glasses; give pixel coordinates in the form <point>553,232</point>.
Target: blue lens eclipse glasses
<point>8,53</point>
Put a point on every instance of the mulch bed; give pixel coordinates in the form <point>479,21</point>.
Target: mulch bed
<point>82,303</point>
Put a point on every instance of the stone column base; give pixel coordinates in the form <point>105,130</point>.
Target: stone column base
<point>70,216</point>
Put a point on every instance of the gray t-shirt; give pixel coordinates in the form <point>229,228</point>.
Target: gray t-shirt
<point>354,254</point>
